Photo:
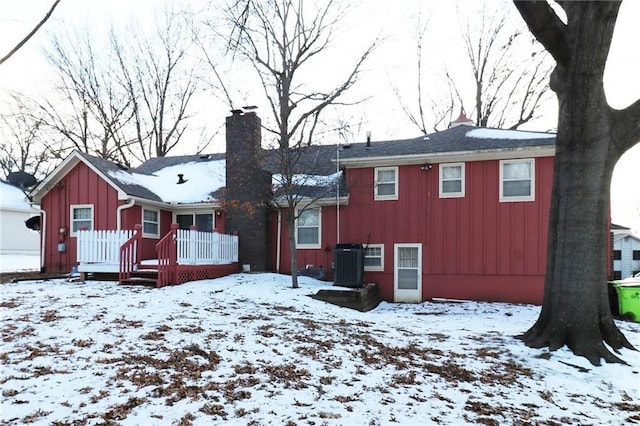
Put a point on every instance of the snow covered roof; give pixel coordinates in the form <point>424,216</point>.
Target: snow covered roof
<point>12,198</point>
<point>201,181</point>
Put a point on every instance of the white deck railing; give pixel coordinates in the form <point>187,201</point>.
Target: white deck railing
<point>100,246</point>
<point>206,248</point>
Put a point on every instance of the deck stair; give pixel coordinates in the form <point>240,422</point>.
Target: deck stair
<point>144,275</point>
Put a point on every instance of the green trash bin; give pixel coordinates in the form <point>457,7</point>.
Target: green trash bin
<point>629,300</point>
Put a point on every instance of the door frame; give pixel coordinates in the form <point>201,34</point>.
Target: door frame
<point>403,295</point>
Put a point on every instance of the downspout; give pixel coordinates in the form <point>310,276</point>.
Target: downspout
<point>43,237</point>
<point>127,205</point>
<point>278,241</point>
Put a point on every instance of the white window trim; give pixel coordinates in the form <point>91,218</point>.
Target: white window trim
<point>310,246</point>
<point>375,268</point>
<point>142,222</point>
<point>79,206</point>
<point>532,196</point>
<point>375,184</point>
<point>459,194</point>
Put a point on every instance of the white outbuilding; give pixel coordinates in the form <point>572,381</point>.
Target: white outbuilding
<point>15,210</point>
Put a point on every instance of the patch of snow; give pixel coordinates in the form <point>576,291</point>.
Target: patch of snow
<point>19,262</point>
<point>202,178</point>
<point>13,198</point>
<point>507,134</point>
<point>307,180</point>
<point>248,349</point>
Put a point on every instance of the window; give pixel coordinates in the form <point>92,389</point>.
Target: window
<point>451,180</point>
<point>617,255</point>
<point>386,183</point>
<point>204,221</point>
<point>308,229</point>
<point>517,180</point>
<point>617,275</point>
<point>81,216</point>
<point>636,255</point>
<point>374,257</point>
<point>150,223</point>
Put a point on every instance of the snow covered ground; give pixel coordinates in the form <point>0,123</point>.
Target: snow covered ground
<point>19,263</point>
<point>247,349</point>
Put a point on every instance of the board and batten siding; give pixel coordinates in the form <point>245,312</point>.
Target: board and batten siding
<point>474,247</point>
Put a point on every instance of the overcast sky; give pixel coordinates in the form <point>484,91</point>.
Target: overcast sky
<point>394,62</point>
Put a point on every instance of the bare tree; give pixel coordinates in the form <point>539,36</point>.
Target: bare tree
<point>281,39</point>
<point>21,147</point>
<point>160,78</point>
<point>90,110</point>
<point>509,75</point>
<point>591,137</point>
<point>125,97</point>
<point>31,33</point>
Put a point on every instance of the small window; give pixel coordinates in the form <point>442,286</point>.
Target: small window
<point>81,217</point>
<point>636,255</point>
<point>374,257</point>
<point>617,255</point>
<point>150,223</point>
<point>386,183</point>
<point>617,275</point>
<point>517,180</point>
<point>451,180</point>
<point>308,229</point>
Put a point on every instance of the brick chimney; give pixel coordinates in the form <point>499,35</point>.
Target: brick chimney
<point>248,189</point>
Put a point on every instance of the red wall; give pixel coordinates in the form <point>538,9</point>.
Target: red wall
<point>80,186</point>
<point>83,186</point>
<point>473,247</point>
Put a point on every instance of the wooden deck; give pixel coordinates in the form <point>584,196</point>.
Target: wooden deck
<point>362,299</point>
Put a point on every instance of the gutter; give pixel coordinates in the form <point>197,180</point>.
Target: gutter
<point>128,205</point>
<point>43,237</point>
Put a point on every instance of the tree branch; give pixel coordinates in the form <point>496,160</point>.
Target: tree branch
<point>35,30</point>
<point>626,125</point>
<point>547,28</point>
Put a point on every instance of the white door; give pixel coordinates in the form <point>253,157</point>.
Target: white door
<point>407,274</point>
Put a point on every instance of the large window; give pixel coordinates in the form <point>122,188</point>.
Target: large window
<point>150,223</point>
<point>81,217</point>
<point>308,229</point>
<point>517,180</point>
<point>204,221</point>
<point>374,257</point>
<point>451,180</point>
<point>386,183</point>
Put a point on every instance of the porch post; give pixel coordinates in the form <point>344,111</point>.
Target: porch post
<point>137,230</point>
<point>193,252</point>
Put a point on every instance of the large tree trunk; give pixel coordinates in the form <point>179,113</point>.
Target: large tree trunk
<point>575,310</point>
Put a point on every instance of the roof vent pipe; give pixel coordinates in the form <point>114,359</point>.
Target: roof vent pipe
<point>181,179</point>
<point>368,139</point>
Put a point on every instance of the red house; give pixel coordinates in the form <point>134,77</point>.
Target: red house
<point>458,214</point>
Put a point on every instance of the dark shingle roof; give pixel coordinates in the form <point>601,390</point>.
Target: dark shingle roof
<point>106,166</point>
<point>450,140</point>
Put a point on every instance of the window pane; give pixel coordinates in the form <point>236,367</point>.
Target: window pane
<point>408,279</point>
<point>386,175</point>
<point>452,186</point>
<point>204,222</point>
<point>184,221</point>
<point>386,189</point>
<point>150,215</point>
<point>150,228</point>
<point>308,218</point>
<point>516,188</point>
<point>77,224</point>
<point>307,235</point>
<point>636,254</point>
<point>517,170</point>
<point>407,257</point>
<point>617,255</point>
<point>452,172</point>
<point>82,213</point>
<point>373,251</point>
